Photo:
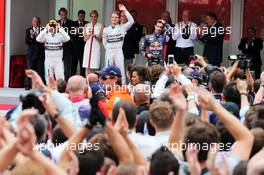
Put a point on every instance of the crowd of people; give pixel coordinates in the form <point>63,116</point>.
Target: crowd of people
<point>188,115</point>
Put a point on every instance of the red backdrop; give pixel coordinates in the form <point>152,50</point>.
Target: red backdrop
<point>197,8</point>
<point>253,15</point>
<point>148,10</point>
<point>2,41</point>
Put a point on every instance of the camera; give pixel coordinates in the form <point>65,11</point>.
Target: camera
<point>244,60</point>
<point>31,100</point>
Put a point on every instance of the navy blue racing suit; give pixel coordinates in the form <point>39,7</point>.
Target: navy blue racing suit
<point>154,44</point>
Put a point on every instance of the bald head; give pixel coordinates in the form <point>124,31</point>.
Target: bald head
<point>76,83</point>
<point>141,93</point>
<point>92,78</point>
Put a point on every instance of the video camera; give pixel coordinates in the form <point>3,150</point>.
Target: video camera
<point>31,100</point>
<point>244,60</point>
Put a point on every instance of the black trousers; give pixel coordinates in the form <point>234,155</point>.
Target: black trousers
<point>38,66</point>
<point>182,55</point>
<point>78,49</point>
<point>257,69</point>
<point>67,61</point>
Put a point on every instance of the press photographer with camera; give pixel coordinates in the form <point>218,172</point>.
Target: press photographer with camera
<point>251,47</point>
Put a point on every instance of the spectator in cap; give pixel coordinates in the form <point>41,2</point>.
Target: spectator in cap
<point>115,91</point>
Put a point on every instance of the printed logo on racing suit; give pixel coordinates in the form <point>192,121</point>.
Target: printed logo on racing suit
<point>114,38</point>
<point>53,46</point>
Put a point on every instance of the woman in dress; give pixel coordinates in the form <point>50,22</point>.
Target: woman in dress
<point>93,38</point>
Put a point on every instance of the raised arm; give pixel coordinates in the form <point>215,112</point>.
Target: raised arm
<point>232,70</point>
<point>65,37</point>
<point>160,85</point>
<point>26,141</point>
<point>178,125</point>
<point>242,87</point>
<point>7,154</point>
<point>122,126</point>
<point>260,94</point>
<point>244,139</point>
<point>42,35</point>
<point>130,19</point>
<point>119,144</point>
<point>67,127</point>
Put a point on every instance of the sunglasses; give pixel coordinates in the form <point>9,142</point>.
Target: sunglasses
<point>108,78</point>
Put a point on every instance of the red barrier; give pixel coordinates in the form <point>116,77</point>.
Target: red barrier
<point>17,71</point>
<point>2,41</point>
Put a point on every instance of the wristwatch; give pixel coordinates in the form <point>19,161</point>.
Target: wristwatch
<point>88,125</point>
<point>244,94</point>
<point>190,97</point>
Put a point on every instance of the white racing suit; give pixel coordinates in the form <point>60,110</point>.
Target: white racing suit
<point>53,52</point>
<point>113,39</point>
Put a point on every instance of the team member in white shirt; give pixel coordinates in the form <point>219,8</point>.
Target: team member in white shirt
<point>113,39</point>
<point>184,34</point>
<point>53,36</point>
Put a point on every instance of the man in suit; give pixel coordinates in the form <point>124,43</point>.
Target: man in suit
<point>212,35</point>
<point>132,39</point>
<point>68,26</point>
<point>170,48</point>
<point>78,44</point>
<point>35,51</point>
<point>251,46</point>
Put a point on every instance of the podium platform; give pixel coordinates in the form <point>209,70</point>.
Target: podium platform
<point>9,98</point>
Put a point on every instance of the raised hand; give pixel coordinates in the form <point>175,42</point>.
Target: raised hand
<point>177,97</point>
<point>48,104</point>
<point>175,69</point>
<point>206,99</point>
<point>35,78</point>
<point>52,83</point>
<point>47,26</point>
<point>122,7</point>
<point>121,124</point>
<point>242,86</point>
<point>193,163</point>
<point>25,133</point>
<point>200,60</point>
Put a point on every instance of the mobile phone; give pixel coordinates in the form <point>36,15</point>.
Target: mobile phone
<point>232,57</point>
<point>170,59</point>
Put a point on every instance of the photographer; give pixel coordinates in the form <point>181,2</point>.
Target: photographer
<point>251,46</point>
